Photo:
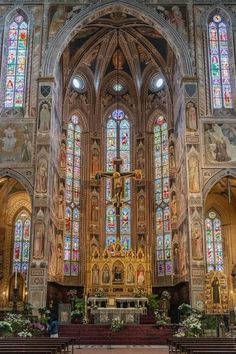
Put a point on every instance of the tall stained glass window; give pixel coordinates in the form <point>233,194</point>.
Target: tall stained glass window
<point>118,146</point>
<point>17,45</point>
<point>73,187</point>
<point>214,247</point>
<point>21,246</point>
<point>219,63</point>
<point>161,197</point>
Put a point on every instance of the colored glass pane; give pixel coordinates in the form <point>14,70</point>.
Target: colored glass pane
<point>118,146</point>
<point>21,245</point>
<point>219,63</point>
<point>214,247</point>
<point>161,197</point>
<point>73,191</point>
<point>16,62</point>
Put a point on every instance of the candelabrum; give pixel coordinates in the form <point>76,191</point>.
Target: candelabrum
<point>15,297</point>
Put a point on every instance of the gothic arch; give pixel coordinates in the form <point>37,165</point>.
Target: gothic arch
<point>133,7</point>
<point>6,172</point>
<point>216,178</point>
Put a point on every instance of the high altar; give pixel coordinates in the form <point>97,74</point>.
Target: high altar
<point>118,282</point>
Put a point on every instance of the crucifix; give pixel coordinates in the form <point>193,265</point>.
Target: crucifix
<point>118,187</point>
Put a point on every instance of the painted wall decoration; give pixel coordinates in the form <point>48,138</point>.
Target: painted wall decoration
<point>39,238</point>
<point>191,116</point>
<point>44,117</point>
<point>220,143</point>
<point>42,175</point>
<point>197,241</point>
<point>16,142</point>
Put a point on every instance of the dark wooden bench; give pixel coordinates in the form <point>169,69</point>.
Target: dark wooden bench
<point>176,343</point>
<point>55,345</point>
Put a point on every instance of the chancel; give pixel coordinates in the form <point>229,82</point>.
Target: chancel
<point>118,157</point>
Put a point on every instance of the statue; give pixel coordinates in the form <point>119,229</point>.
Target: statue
<point>106,275</point>
<point>41,178</point>
<point>194,178</point>
<point>38,250</point>
<point>215,291</point>
<point>191,114</point>
<point>197,244</point>
<point>95,275</point>
<point>44,118</point>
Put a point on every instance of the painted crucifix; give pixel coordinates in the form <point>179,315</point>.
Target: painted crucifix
<point>118,186</point>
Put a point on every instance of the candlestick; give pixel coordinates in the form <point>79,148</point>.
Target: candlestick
<point>15,280</point>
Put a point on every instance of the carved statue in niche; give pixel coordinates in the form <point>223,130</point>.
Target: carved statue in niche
<point>39,237</point>
<point>140,276</point>
<point>140,156</point>
<point>94,244</point>
<point>95,275</point>
<point>118,272</point>
<point>94,206</point>
<point>42,176</point>
<point>172,155</point>
<point>52,258</point>
<point>59,257</point>
<point>61,201</point>
<point>95,158</point>
<point>194,177</point>
<point>215,291</point>
<point>63,155</point>
<point>106,275</point>
<point>173,205</point>
<point>191,116</point>
<point>130,279</point>
<point>197,242</point>
<point>141,208</point>
<point>176,259</point>
<point>44,118</point>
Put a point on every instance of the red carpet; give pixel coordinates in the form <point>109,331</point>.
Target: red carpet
<point>133,335</point>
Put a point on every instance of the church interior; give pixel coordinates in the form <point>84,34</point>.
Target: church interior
<point>117,161</point>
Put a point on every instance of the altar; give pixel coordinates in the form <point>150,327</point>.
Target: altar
<point>128,309</point>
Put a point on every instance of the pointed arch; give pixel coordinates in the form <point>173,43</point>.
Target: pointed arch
<point>161,196</point>
<point>118,145</point>
<point>16,54</point>
<point>72,197</point>
<point>214,241</point>
<point>219,45</point>
<point>21,243</point>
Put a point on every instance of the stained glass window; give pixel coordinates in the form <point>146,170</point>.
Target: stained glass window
<point>21,244</point>
<point>161,197</point>
<point>16,62</point>
<point>214,247</point>
<point>72,211</point>
<point>118,146</point>
<point>219,63</point>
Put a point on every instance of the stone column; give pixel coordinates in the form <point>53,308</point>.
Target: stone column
<point>194,187</point>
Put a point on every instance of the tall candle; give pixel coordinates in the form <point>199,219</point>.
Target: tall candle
<point>16,279</point>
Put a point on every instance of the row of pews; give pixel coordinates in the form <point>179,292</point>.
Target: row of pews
<point>202,345</point>
<point>37,345</point>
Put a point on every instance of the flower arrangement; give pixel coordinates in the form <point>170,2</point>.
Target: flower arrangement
<point>161,318</point>
<point>185,309</point>
<point>139,292</point>
<point>78,308</point>
<point>99,292</point>
<point>191,326</point>
<point>24,334</point>
<point>116,324</point>
<point>5,327</point>
<point>44,311</point>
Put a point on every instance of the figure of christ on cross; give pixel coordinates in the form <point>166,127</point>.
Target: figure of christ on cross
<point>118,178</point>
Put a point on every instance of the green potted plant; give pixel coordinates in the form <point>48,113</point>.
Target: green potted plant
<point>5,329</point>
<point>78,310</point>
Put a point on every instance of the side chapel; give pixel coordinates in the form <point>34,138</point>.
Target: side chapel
<point>118,150</point>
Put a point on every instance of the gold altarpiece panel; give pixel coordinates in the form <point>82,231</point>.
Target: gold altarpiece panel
<point>216,293</point>
<point>119,272</point>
